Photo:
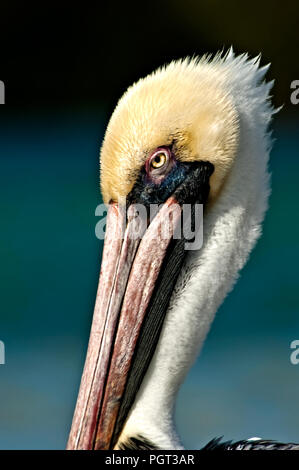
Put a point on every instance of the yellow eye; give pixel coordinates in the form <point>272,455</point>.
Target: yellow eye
<point>159,160</point>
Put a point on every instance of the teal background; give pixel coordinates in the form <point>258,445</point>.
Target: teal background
<point>243,383</point>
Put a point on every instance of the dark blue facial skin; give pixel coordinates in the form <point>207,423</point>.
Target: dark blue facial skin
<point>187,182</point>
<point>160,192</point>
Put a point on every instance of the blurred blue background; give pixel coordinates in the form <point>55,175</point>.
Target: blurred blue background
<point>242,385</point>
<point>64,69</point>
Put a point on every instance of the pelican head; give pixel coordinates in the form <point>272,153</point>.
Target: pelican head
<point>193,132</point>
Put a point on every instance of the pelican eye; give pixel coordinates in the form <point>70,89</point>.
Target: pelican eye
<point>159,163</point>
<point>159,159</point>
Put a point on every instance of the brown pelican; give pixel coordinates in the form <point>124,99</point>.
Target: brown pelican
<point>193,132</point>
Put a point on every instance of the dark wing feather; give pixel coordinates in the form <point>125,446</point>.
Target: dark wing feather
<point>250,444</point>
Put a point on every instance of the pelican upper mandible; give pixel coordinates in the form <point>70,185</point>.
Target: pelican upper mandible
<point>193,132</point>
